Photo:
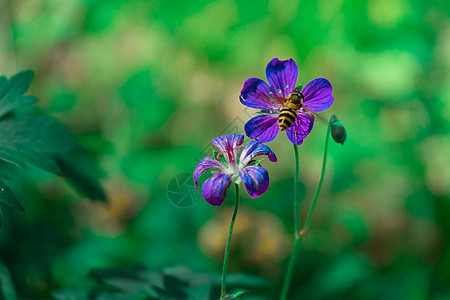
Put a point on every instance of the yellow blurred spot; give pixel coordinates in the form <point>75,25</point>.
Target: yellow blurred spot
<point>434,152</point>
<point>404,122</point>
<point>282,47</point>
<point>390,74</point>
<point>259,238</point>
<point>386,13</point>
<point>222,14</point>
<point>329,9</point>
<point>284,10</point>
<point>109,218</point>
<point>205,88</point>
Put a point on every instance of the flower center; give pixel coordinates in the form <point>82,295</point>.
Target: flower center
<point>231,159</point>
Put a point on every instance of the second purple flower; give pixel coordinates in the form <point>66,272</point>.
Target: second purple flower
<point>232,167</point>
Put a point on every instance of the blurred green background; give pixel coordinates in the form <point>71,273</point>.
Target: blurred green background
<point>145,86</point>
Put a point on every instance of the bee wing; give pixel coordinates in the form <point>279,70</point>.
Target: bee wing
<point>314,114</point>
<point>277,100</point>
<point>277,104</point>
<point>300,128</point>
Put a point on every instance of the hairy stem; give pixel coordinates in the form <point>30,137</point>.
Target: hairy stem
<point>319,187</point>
<point>227,249</point>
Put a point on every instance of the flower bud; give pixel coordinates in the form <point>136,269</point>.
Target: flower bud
<point>238,294</point>
<point>299,87</point>
<point>338,130</point>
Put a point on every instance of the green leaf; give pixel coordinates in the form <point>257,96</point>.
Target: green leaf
<point>8,158</point>
<point>255,162</point>
<point>203,291</point>
<point>30,140</point>
<point>136,282</point>
<point>41,133</point>
<point>238,294</point>
<point>3,82</point>
<point>11,92</point>
<point>70,295</point>
<point>7,287</point>
<point>7,169</point>
<point>299,87</point>
<point>20,157</point>
<point>187,275</point>
<point>27,138</point>
<point>82,173</point>
<point>100,274</point>
<point>132,286</point>
<point>266,112</point>
<point>7,197</point>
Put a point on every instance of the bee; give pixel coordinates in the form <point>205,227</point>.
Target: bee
<point>288,114</point>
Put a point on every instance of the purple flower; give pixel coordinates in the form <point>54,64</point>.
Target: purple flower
<point>233,167</point>
<point>272,98</point>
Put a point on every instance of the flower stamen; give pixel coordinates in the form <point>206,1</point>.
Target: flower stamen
<point>228,151</point>
<point>220,153</point>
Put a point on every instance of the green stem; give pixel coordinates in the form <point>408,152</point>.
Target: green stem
<point>227,249</point>
<point>299,235</point>
<point>319,187</point>
<point>290,270</point>
<point>296,204</point>
<point>297,240</point>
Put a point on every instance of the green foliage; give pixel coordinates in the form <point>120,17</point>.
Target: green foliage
<point>12,90</point>
<point>8,198</point>
<point>80,169</point>
<point>27,138</point>
<point>6,286</point>
<point>171,283</point>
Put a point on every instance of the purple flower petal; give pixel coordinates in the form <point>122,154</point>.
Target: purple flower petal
<point>228,142</point>
<point>318,95</point>
<point>215,188</point>
<point>282,76</point>
<point>263,128</point>
<point>300,129</point>
<point>254,148</point>
<point>256,180</point>
<point>256,93</point>
<point>205,165</point>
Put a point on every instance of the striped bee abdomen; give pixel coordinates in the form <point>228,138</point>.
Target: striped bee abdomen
<point>286,118</point>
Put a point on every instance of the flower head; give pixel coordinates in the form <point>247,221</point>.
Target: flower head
<point>276,96</point>
<point>234,164</point>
